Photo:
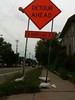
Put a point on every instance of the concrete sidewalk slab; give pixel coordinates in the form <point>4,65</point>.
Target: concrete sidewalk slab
<point>21,97</point>
<point>55,96</point>
<point>44,96</point>
<point>61,85</point>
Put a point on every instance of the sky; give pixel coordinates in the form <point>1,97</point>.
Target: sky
<point>13,23</point>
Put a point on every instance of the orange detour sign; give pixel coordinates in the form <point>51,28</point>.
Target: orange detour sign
<point>41,12</point>
<point>37,34</point>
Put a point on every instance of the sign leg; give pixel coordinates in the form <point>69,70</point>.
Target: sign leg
<point>25,50</point>
<point>49,54</point>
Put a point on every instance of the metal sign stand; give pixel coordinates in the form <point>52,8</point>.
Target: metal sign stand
<point>49,54</point>
<point>25,49</point>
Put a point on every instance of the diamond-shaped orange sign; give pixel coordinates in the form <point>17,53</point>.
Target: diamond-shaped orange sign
<point>41,12</point>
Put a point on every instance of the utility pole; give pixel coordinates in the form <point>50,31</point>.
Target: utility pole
<point>17,52</point>
<point>1,35</point>
<point>29,55</point>
<point>17,46</point>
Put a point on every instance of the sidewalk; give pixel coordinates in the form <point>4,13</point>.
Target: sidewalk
<point>64,90</point>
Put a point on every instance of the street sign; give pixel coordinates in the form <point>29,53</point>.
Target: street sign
<point>41,12</point>
<point>41,34</point>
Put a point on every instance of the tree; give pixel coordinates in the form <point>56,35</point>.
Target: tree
<point>7,53</point>
<point>42,50</point>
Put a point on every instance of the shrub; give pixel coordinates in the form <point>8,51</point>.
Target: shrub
<point>63,73</point>
<point>73,79</point>
<point>71,63</point>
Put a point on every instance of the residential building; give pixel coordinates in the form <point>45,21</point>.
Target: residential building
<point>68,35</point>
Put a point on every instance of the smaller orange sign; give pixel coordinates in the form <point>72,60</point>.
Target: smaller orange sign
<point>37,34</point>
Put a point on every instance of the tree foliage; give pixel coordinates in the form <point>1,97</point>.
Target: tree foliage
<point>6,52</point>
<point>42,50</point>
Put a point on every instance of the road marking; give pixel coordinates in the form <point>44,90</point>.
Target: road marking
<point>8,73</point>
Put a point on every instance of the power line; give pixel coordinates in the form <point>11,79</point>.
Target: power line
<point>17,46</point>
<point>5,17</point>
<point>6,31</point>
<point>9,11</point>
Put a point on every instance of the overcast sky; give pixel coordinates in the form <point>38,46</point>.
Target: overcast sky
<point>13,23</point>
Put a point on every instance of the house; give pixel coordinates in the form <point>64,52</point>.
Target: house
<point>68,36</point>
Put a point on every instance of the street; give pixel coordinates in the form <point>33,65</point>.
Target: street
<point>7,70</point>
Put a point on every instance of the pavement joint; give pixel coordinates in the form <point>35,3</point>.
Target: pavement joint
<point>33,96</point>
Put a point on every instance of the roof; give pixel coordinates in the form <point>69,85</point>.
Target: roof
<point>67,25</point>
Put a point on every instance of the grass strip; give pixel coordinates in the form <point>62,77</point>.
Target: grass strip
<point>30,84</point>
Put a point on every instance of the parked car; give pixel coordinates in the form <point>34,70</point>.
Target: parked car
<point>33,66</point>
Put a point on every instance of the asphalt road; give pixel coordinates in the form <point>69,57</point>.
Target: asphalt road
<point>7,70</point>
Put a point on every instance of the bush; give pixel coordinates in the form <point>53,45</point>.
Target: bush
<point>63,73</point>
<point>71,63</point>
<point>73,79</point>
